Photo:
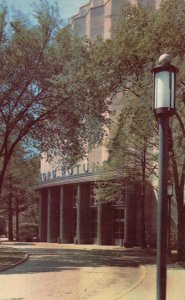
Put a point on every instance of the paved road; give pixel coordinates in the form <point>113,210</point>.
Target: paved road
<point>76,272</point>
<point>71,272</point>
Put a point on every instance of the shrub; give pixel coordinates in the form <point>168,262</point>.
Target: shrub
<point>28,232</point>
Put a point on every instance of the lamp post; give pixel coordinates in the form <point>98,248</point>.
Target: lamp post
<point>163,107</point>
<point>170,194</point>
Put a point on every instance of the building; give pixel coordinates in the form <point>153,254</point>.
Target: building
<point>69,212</point>
<point>97,17</point>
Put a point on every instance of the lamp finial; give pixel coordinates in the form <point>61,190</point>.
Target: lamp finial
<point>165,59</point>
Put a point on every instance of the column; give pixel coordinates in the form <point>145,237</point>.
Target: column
<point>53,215</point>
<point>49,217</point>
<point>43,203</point>
<point>99,224</point>
<point>66,215</point>
<point>61,214</point>
<point>83,214</point>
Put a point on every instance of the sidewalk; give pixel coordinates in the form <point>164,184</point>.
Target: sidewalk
<point>147,289</point>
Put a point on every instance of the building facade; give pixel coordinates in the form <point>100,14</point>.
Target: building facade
<point>98,17</point>
<point>69,212</point>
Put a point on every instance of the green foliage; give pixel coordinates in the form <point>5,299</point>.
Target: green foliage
<point>48,100</point>
<point>19,200</point>
<point>131,148</point>
<point>140,37</point>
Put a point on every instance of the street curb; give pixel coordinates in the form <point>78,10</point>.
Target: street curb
<point>16,264</point>
<point>143,274</point>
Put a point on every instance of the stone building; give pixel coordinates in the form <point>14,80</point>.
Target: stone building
<point>98,16</point>
<point>69,212</point>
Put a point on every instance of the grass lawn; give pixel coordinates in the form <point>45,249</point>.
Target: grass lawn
<point>10,256</point>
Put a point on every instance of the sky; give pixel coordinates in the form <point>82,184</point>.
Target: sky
<point>67,8</point>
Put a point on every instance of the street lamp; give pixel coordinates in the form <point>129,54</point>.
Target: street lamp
<point>163,107</point>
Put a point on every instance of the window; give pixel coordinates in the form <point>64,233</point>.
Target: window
<point>118,223</point>
<point>93,201</point>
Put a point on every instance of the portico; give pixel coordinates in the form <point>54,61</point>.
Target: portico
<point>69,213</point>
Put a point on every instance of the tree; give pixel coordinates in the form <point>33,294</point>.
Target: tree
<point>44,99</point>
<point>18,195</point>
<point>132,159</point>
<point>141,36</point>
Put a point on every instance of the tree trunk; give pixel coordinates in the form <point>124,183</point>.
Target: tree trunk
<point>181,236</point>
<point>143,193</point>
<point>179,192</point>
<point>143,239</point>
<point>10,218</point>
<point>17,219</point>
<point>2,175</point>
<point>6,161</point>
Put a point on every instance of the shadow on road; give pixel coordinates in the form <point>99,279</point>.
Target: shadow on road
<point>58,260</point>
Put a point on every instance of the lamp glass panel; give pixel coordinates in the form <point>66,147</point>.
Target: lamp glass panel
<point>172,90</point>
<point>162,89</point>
<point>170,190</point>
